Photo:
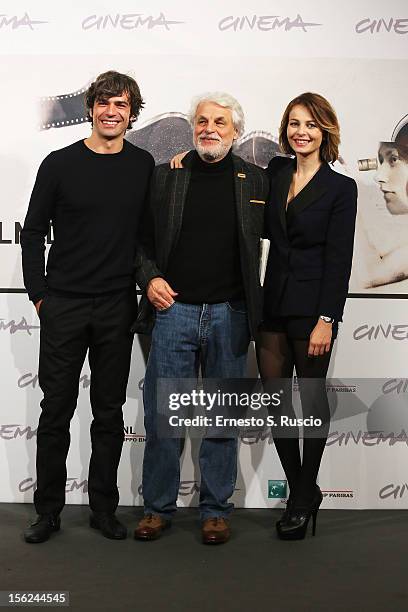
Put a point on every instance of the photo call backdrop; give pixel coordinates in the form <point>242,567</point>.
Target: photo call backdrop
<point>264,53</point>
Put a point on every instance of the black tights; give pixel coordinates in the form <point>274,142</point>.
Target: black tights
<point>277,356</point>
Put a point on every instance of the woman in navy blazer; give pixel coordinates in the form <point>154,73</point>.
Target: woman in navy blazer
<point>310,222</point>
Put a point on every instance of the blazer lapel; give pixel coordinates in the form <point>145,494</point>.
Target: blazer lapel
<point>177,198</point>
<point>311,192</point>
<point>281,190</point>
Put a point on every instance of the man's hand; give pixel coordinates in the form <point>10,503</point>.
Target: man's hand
<point>160,293</point>
<point>175,161</point>
<point>38,306</point>
<point>320,339</point>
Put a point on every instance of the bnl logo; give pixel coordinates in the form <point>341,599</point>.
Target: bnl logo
<point>277,489</point>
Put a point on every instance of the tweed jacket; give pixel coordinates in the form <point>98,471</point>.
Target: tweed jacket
<point>161,227</point>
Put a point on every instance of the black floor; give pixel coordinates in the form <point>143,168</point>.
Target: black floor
<point>357,561</point>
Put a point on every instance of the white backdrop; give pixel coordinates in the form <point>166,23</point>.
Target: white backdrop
<point>355,55</point>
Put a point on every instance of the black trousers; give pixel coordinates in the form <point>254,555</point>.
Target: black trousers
<point>71,327</point>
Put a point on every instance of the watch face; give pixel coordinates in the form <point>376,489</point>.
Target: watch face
<point>326,319</point>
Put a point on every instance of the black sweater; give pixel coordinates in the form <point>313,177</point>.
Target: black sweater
<point>205,265</point>
<point>94,202</point>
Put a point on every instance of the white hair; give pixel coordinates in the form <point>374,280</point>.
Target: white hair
<point>223,99</point>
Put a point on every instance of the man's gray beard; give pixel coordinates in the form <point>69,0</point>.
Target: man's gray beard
<point>217,152</point>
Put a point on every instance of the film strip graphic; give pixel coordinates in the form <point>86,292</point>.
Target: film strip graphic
<point>63,110</point>
<point>163,135</point>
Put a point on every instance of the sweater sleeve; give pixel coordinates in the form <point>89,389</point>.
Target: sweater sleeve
<point>36,227</point>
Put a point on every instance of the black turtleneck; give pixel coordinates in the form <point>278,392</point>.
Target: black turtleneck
<point>205,264</point>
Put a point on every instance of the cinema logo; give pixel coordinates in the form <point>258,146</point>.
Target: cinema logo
<point>16,431</point>
<point>376,26</point>
<point>72,485</point>
<point>186,488</point>
<point>395,385</point>
<point>14,22</point>
<point>338,494</point>
<point>10,233</point>
<point>254,436</point>
<point>13,327</point>
<point>129,21</point>
<point>31,380</point>
<point>396,491</point>
<point>367,438</point>
<point>132,436</point>
<point>265,23</point>
<point>376,332</point>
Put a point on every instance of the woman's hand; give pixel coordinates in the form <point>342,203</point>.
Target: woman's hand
<point>175,161</point>
<point>320,339</point>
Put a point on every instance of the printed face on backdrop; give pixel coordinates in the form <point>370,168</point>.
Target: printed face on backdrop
<point>392,176</point>
<point>303,133</point>
<point>110,117</point>
<point>214,131</point>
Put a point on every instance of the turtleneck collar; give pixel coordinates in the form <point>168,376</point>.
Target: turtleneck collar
<point>220,166</point>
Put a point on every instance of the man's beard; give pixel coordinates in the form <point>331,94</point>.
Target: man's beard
<point>214,152</point>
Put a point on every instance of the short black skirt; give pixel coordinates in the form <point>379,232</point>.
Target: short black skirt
<point>296,328</point>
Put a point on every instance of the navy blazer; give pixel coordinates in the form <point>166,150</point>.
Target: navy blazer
<point>311,247</point>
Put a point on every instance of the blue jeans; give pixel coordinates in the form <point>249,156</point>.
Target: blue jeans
<point>185,336</point>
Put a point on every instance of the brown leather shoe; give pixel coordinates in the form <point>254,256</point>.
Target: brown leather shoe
<point>215,530</point>
<point>150,527</point>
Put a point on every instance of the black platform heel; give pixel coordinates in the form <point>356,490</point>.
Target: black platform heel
<point>286,513</point>
<point>295,526</point>
<point>289,505</point>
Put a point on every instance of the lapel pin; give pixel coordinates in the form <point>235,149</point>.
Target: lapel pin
<point>240,175</point>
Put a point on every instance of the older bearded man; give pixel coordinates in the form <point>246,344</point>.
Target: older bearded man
<point>199,268</point>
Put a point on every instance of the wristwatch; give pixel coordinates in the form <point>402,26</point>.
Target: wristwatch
<point>326,319</point>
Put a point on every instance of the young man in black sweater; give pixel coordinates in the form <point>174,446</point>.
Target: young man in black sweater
<point>93,191</point>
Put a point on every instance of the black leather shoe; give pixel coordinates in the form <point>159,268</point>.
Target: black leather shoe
<point>41,529</point>
<point>109,525</point>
